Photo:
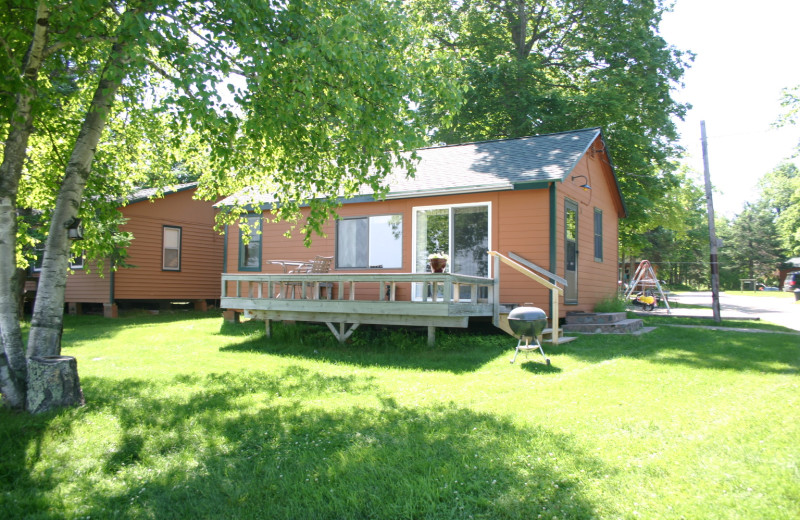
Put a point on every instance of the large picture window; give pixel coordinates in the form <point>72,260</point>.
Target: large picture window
<point>250,252</point>
<point>462,232</point>
<point>171,249</point>
<point>598,235</point>
<point>374,242</point>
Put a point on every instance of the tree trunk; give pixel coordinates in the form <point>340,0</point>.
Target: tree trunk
<point>53,383</point>
<point>13,367</point>
<point>48,312</point>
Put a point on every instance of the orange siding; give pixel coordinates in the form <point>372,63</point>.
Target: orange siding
<point>201,255</point>
<point>596,280</point>
<point>519,221</point>
<point>87,286</point>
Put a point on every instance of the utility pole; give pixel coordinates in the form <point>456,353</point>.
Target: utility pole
<point>712,233</point>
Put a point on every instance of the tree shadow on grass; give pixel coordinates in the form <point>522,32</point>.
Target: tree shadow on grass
<point>456,350</point>
<point>202,453</point>
<point>695,348</point>
<point>21,439</point>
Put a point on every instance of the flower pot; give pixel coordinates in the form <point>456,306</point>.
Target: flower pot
<point>438,264</point>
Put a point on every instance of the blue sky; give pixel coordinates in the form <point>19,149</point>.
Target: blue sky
<point>747,52</point>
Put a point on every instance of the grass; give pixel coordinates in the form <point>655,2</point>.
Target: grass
<point>651,320</point>
<point>187,417</point>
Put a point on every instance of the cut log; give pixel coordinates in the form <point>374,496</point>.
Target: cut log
<point>53,383</point>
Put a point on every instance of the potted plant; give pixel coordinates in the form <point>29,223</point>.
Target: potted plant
<point>438,261</point>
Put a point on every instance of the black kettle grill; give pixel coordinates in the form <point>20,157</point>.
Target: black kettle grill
<point>527,323</point>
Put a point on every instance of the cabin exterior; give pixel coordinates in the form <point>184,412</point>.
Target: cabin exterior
<point>552,201</point>
<point>175,255</point>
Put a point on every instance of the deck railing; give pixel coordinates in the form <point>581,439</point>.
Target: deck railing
<point>430,287</point>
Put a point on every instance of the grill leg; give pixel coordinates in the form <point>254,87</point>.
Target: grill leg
<point>519,345</point>
<point>527,347</point>
<point>546,359</point>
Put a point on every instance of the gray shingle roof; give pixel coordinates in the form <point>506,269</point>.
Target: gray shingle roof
<point>149,193</point>
<point>480,166</point>
<point>496,165</point>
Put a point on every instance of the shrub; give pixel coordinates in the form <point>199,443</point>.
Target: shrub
<point>614,303</point>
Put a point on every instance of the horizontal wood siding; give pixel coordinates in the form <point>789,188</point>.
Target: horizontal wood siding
<point>520,222</point>
<point>88,286</point>
<point>201,250</point>
<point>596,280</point>
<point>523,228</point>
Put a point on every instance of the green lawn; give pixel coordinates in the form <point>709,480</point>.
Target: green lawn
<point>187,417</point>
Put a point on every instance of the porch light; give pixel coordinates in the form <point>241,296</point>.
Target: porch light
<point>585,185</point>
<point>74,229</point>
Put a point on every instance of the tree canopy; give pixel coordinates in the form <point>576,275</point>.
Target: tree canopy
<point>539,66</point>
<point>298,99</point>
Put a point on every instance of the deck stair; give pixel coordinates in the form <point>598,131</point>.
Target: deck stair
<point>603,323</point>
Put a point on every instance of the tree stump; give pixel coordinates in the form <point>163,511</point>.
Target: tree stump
<point>53,383</point>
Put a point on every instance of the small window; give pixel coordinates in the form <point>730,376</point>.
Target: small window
<point>370,242</point>
<point>36,264</point>
<point>250,245</point>
<point>76,262</point>
<point>598,235</point>
<point>171,249</point>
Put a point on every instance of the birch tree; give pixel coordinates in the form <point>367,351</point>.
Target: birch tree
<point>297,98</point>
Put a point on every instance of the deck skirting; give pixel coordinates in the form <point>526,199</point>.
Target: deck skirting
<point>446,300</point>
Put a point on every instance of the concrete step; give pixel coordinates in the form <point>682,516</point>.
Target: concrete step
<point>626,326</point>
<point>594,317</point>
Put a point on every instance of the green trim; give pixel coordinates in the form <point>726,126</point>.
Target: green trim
<point>598,211</point>
<point>532,185</point>
<point>241,266</point>
<point>553,241</point>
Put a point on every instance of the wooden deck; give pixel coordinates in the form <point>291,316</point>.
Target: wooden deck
<point>444,300</point>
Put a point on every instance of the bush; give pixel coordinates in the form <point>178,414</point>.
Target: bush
<point>616,303</point>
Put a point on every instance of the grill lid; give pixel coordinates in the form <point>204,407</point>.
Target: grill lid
<point>527,314</point>
<point>527,321</point>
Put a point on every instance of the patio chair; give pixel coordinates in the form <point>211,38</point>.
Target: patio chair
<point>320,264</point>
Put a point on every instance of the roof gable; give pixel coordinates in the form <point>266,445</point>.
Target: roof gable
<point>495,165</point>
<point>506,164</point>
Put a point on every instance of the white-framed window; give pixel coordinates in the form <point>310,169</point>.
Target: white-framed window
<point>374,242</point>
<point>462,231</point>
<point>36,264</point>
<point>171,248</point>
<point>77,261</point>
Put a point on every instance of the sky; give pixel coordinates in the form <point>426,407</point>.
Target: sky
<point>746,53</point>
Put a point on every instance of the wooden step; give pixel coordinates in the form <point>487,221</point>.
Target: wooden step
<point>547,337</point>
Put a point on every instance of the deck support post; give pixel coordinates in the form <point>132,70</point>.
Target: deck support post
<point>340,334</point>
<point>267,329</point>
<point>496,291</point>
<point>431,335</point>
